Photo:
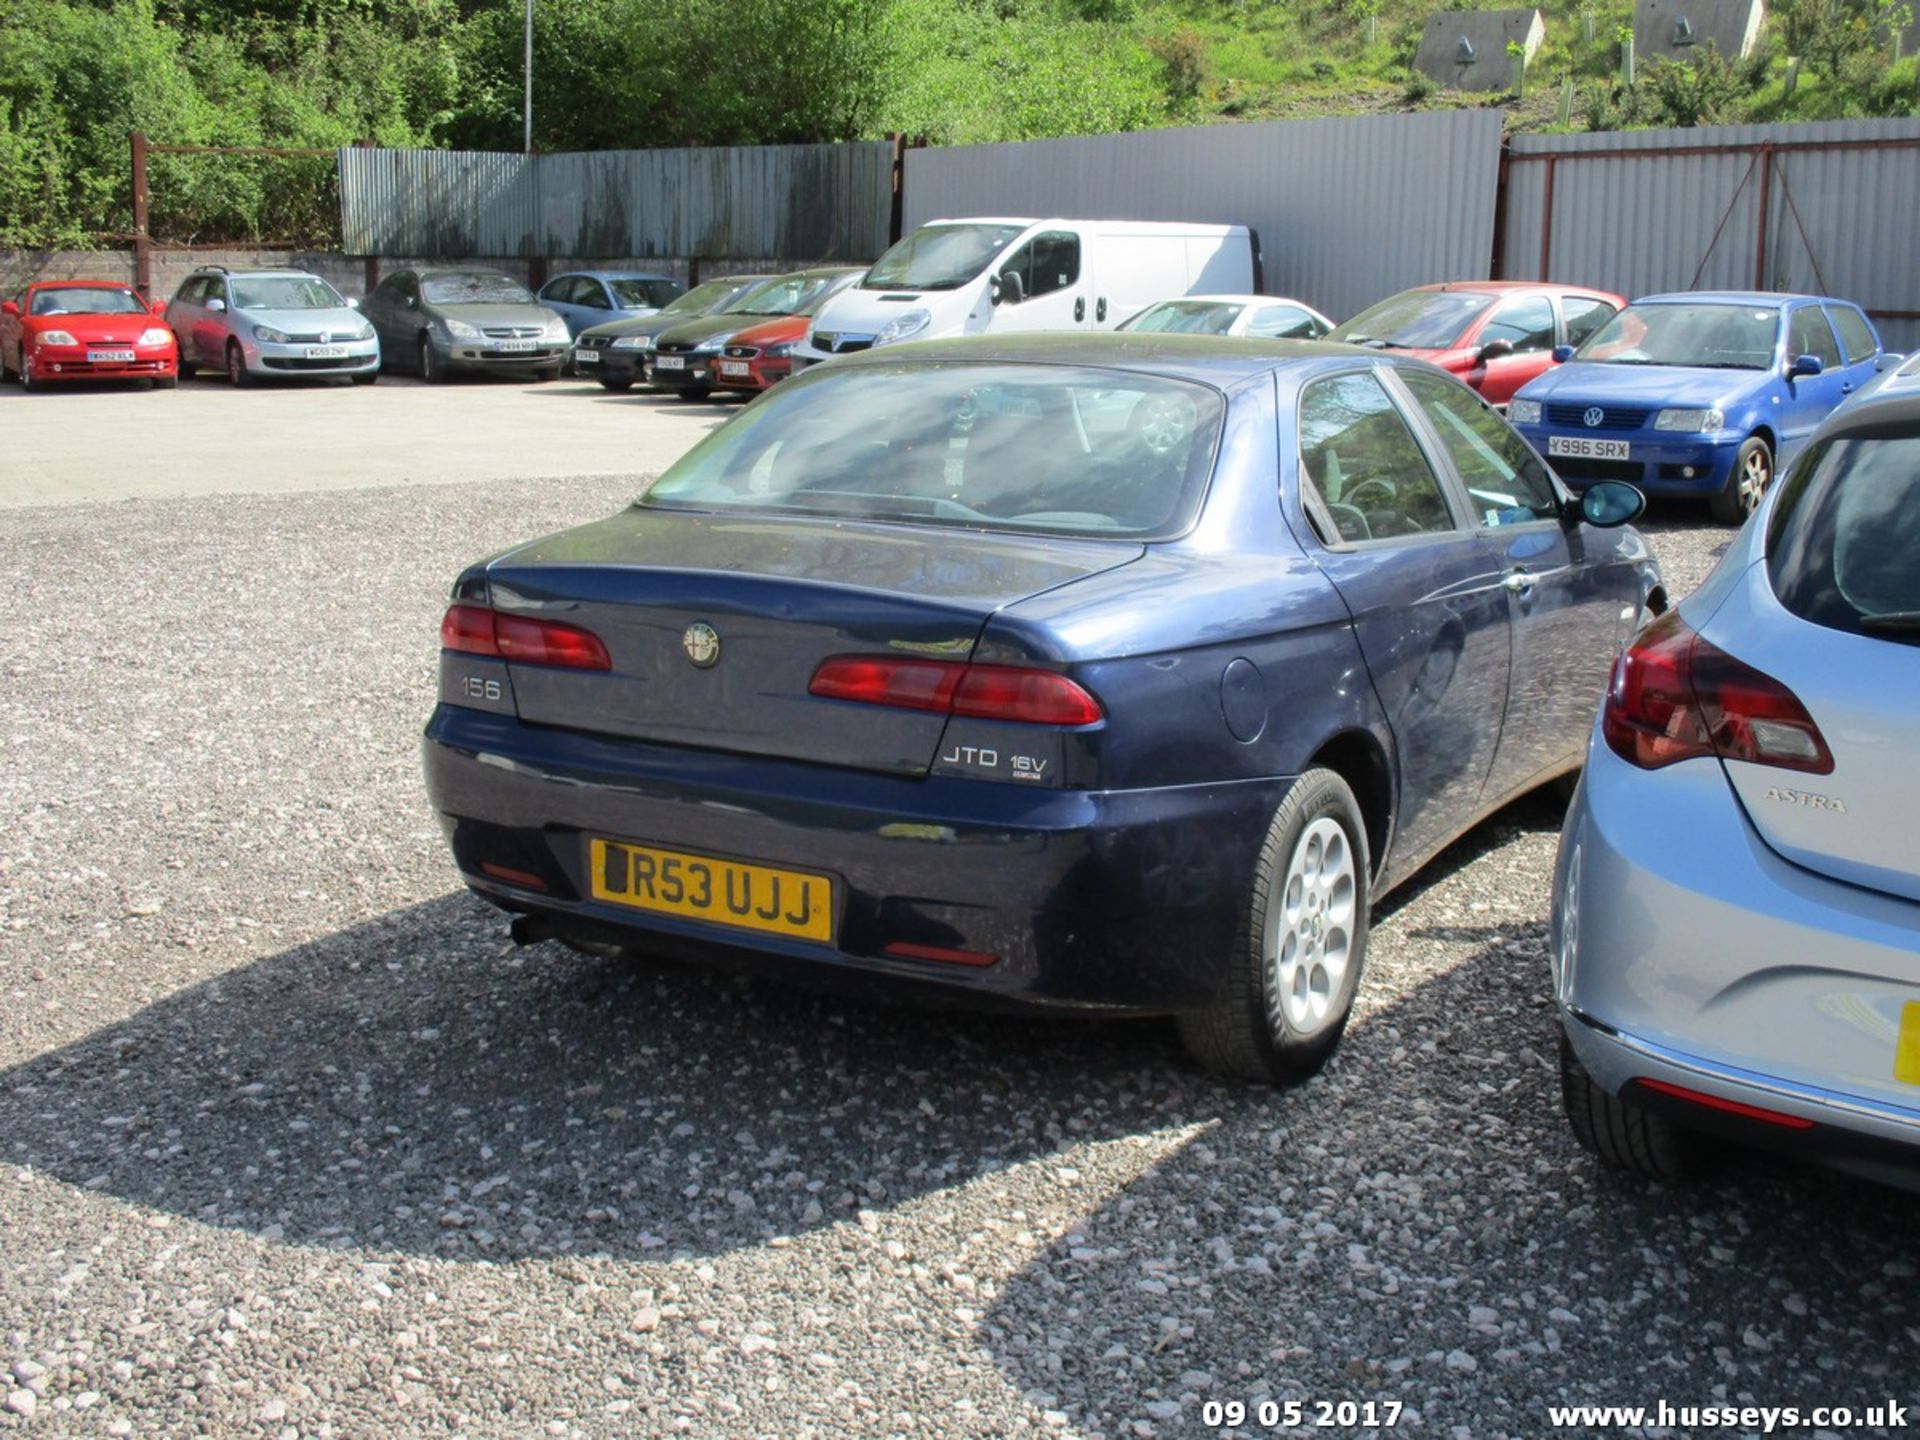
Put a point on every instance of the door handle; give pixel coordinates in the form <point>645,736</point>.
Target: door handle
<point>1518,581</point>
<point>1100,308</point>
<point>1080,308</point>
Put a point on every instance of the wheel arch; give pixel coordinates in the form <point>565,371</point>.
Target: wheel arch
<point>1358,758</point>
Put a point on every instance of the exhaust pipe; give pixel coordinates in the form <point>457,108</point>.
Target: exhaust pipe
<point>532,930</point>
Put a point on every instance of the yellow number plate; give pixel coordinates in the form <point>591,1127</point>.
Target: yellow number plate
<point>1906,1056</point>
<point>724,892</point>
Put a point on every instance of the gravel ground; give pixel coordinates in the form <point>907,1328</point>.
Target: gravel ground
<point>295,1144</point>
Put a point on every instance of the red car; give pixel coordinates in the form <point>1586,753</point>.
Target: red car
<point>758,359</point>
<point>61,330</point>
<point>1495,335</point>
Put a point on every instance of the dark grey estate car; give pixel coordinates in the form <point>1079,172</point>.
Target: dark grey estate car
<point>434,322</point>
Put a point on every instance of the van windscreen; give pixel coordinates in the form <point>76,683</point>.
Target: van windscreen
<point>940,257</point>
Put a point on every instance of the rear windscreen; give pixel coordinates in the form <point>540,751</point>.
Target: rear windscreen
<point>1041,448</point>
<point>1842,545</point>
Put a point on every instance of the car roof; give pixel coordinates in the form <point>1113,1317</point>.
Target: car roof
<point>79,285</point>
<point>1225,300</point>
<point>257,274</point>
<point>1505,287</point>
<point>1218,360</point>
<point>425,271</point>
<point>1896,411</point>
<point>1769,299</point>
<point>616,274</point>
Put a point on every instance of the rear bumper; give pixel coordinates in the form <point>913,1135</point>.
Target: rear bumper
<point>1126,900</point>
<point>1686,951</point>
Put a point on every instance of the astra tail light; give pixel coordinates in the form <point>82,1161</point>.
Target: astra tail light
<point>476,630</point>
<point>951,687</point>
<point>1674,696</point>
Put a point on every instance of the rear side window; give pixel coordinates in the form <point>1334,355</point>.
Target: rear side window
<point>1584,316</point>
<point>1840,552</point>
<point>1809,334</point>
<point>1364,474</point>
<point>1284,322</point>
<point>1525,324</point>
<point>1504,478</point>
<point>1856,336</point>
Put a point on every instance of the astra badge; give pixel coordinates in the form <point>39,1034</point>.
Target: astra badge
<point>1594,416</point>
<point>702,644</point>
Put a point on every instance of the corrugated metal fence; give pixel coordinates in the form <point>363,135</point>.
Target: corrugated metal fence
<point>1348,210</point>
<point>1823,208</point>
<point>801,202</point>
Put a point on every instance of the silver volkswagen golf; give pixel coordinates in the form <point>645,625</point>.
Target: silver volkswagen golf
<point>270,325</point>
<point>1736,914</point>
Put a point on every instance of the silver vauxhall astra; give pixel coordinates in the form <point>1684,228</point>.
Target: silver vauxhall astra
<point>1736,910</point>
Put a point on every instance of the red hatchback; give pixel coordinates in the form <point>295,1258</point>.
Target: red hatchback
<point>63,330</point>
<point>1495,335</point>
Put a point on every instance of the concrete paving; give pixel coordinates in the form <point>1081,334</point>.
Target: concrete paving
<point>92,443</point>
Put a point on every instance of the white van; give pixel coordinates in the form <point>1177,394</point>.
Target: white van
<point>999,276</point>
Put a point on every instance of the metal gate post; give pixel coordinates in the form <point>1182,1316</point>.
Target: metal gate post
<point>1546,222</point>
<point>1766,197</point>
<point>142,242</point>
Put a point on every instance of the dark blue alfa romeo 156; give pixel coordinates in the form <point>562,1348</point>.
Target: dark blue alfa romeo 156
<point>1086,671</point>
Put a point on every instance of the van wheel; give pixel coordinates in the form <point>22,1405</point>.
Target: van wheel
<point>1746,487</point>
<point>1621,1134</point>
<point>1296,965</point>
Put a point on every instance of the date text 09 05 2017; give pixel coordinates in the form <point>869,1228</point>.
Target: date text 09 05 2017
<point>1298,1414</point>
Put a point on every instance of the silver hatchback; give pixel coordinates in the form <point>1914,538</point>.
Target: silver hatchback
<point>270,325</point>
<point>1736,913</point>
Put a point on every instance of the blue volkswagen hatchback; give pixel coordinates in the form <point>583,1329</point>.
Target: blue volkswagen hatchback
<point>1707,394</point>
<point>1107,672</point>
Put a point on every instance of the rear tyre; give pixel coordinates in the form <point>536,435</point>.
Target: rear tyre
<point>617,386</point>
<point>237,370</point>
<point>188,370</point>
<point>1620,1134</point>
<point>1747,485</point>
<point>1296,964</point>
<point>433,369</point>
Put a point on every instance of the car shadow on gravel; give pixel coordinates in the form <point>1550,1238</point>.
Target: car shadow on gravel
<point>1417,1224</point>
<point>415,1084</point>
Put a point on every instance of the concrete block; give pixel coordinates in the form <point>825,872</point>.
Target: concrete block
<point>1467,49</point>
<point>1681,29</point>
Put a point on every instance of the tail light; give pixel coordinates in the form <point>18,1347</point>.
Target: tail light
<point>952,687</point>
<point>1729,1107</point>
<point>1674,696</point>
<point>476,630</point>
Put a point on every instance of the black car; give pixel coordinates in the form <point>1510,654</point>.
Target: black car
<point>616,353</point>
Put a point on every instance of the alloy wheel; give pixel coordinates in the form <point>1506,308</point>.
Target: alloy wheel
<point>1310,927</point>
<point>1755,475</point>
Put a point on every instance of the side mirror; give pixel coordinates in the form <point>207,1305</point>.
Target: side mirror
<point>1494,349</point>
<point>9,307</point>
<point>1012,288</point>
<point>216,305</point>
<point>1805,365</point>
<point>1562,354</point>
<point>1609,503</point>
<point>158,307</point>
<point>352,304</point>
